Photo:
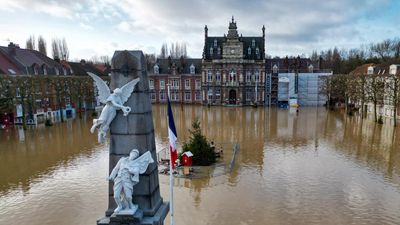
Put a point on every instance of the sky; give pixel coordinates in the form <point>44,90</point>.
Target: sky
<point>293,27</point>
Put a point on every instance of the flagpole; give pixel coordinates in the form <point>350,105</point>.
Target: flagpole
<point>171,180</point>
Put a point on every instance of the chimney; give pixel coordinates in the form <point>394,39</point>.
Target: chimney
<point>12,49</point>
<point>206,31</point>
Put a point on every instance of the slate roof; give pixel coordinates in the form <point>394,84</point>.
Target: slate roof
<point>289,64</point>
<point>81,69</point>
<point>25,60</point>
<point>232,34</point>
<point>182,66</point>
<point>6,65</point>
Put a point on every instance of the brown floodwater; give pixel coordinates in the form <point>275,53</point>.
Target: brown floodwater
<point>311,167</point>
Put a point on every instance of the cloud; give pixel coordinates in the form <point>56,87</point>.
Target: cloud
<point>292,27</point>
<point>85,26</point>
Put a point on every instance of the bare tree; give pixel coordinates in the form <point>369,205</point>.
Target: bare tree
<point>55,49</point>
<point>375,89</point>
<point>382,49</point>
<point>60,49</point>
<point>31,43</point>
<point>393,93</point>
<point>64,50</point>
<point>164,51</point>
<point>42,46</point>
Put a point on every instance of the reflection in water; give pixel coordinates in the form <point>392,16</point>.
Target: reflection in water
<point>311,167</point>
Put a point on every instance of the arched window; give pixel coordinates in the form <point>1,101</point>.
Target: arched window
<point>257,76</point>
<point>219,51</point>
<point>156,69</point>
<point>253,43</point>
<point>249,51</point>
<point>35,69</point>
<point>209,76</point>
<point>57,71</point>
<point>248,76</point>
<point>215,43</point>
<point>257,51</point>
<point>192,69</point>
<point>211,51</point>
<point>44,68</point>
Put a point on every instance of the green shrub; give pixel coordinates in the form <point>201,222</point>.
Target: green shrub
<point>48,123</point>
<point>203,153</point>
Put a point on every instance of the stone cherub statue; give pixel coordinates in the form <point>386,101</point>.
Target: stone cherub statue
<point>113,102</point>
<point>125,175</point>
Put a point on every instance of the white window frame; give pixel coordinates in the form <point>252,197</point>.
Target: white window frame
<point>198,84</point>
<point>188,96</point>
<point>156,69</point>
<point>209,76</point>
<point>248,76</point>
<point>218,76</point>
<point>192,69</point>
<point>162,84</point>
<point>257,76</point>
<point>187,84</point>
<point>151,83</point>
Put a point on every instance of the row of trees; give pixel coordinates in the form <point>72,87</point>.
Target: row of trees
<point>33,92</point>
<point>176,50</point>
<point>345,60</point>
<point>355,91</point>
<point>59,47</point>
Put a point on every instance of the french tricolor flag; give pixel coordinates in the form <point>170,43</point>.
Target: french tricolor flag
<point>172,136</point>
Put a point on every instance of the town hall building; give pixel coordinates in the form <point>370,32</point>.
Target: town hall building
<point>233,68</point>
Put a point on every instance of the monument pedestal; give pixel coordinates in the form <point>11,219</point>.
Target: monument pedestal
<point>135,131</point>
<point>138,218</point>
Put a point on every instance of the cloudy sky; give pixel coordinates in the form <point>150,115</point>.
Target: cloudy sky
<point>293,27</point>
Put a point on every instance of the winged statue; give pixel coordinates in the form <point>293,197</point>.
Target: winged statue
<point>113,102</point>
<point>126,175</point>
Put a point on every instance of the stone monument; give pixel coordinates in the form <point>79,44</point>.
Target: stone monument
<point>134,131</point>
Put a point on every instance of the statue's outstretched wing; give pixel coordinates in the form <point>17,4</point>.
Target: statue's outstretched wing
<point>143,162</point>
<point>104,91</point>
<point>127,89</point>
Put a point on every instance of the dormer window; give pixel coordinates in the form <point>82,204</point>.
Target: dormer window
<point>57,71</point>
<point>393,69</point>
<point>192,69</point>
<point>253,43</point>
<point>65,71</point>
<point>257,51</point>
<point>219,51</point>
<point>215,43</point>
<point>310,68</point>
<point>44,70</point>
<point>211,51</point>
<point>249,51</point>
<point>156,69</point>
<point>275,69</point>
<point>370,70</point>
<point>35,70</point>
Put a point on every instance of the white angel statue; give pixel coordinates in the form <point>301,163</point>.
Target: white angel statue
<point>126,175</point>
<point>113,102</point>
